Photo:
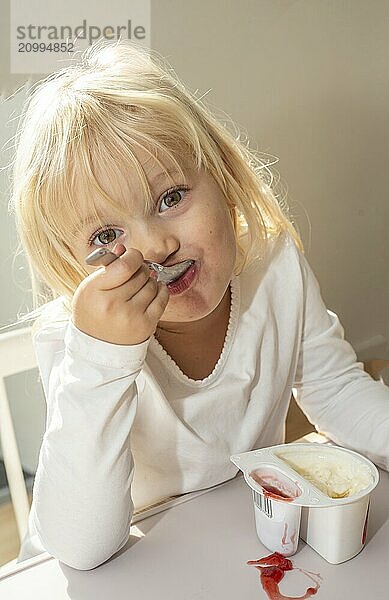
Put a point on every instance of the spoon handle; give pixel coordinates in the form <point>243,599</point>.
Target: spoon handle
<point>104,257</point>
<point>100,257</point>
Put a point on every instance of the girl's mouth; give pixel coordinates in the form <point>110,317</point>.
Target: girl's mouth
<point>184,281</point>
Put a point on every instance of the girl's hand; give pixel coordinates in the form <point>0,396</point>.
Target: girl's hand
<point>120,303</point>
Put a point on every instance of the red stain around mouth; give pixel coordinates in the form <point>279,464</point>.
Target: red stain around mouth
<point>272,570</point>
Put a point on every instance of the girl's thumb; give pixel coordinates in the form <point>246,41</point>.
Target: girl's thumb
<point>119,249</point>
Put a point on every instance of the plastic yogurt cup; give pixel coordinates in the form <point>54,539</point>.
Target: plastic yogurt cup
<point>318,492</point>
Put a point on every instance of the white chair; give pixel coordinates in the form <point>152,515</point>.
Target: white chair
<point>16,356</point>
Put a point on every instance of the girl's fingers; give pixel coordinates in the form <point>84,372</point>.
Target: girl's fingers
<point>130,288</point>
<point>145,295</point>
<point>157,306</point>
<point>119,249</point>
<point>119,271</point>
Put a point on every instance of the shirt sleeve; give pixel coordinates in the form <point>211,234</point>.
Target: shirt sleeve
<point>331,387</point>
<point>82,505</point>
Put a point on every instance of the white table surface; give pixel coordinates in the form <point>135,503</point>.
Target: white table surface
<point>198,550</point>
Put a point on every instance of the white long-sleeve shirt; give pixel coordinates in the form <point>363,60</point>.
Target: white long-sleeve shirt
<point>126,428</point>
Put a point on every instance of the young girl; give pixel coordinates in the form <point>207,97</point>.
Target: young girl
<point>151,387</point>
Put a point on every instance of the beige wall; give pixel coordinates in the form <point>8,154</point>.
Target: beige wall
<point>308,81</point>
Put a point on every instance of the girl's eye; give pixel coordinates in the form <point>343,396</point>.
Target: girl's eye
<point>104,237</point>
<point>173,197</point>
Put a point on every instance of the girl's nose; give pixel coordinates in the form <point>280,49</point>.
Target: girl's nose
<point>157,242</point>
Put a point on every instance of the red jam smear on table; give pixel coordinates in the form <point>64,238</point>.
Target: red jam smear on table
<point>272,570</point>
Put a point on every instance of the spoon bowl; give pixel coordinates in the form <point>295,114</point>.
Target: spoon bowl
<point>169,274</point>
<point>104,256</point>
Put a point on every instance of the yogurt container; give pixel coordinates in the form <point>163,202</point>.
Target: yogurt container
<point>318,492</point>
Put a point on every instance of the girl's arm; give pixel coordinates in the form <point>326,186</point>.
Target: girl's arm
<point>334,391</point>
<point>82,504</point>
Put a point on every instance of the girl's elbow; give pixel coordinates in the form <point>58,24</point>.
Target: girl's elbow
<point>82,561</point>
<point>84,556</point>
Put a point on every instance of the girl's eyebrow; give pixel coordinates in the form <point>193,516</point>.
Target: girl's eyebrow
<point>85,222</point>
<point>89,220</point>
<point>163,174</point>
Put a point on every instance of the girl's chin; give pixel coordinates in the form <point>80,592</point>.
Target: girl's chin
<point>174,317</point>
<point>177,312</point>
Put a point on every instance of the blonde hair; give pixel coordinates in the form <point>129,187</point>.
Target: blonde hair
<point>118,98</point>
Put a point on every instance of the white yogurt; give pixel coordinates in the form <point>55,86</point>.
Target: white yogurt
<point>336,475</point>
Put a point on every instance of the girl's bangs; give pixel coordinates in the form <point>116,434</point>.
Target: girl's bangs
<point>95,181</point>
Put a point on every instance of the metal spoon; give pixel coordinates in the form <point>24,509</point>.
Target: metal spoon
<point>103,256</point>
<point>169,274</point>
